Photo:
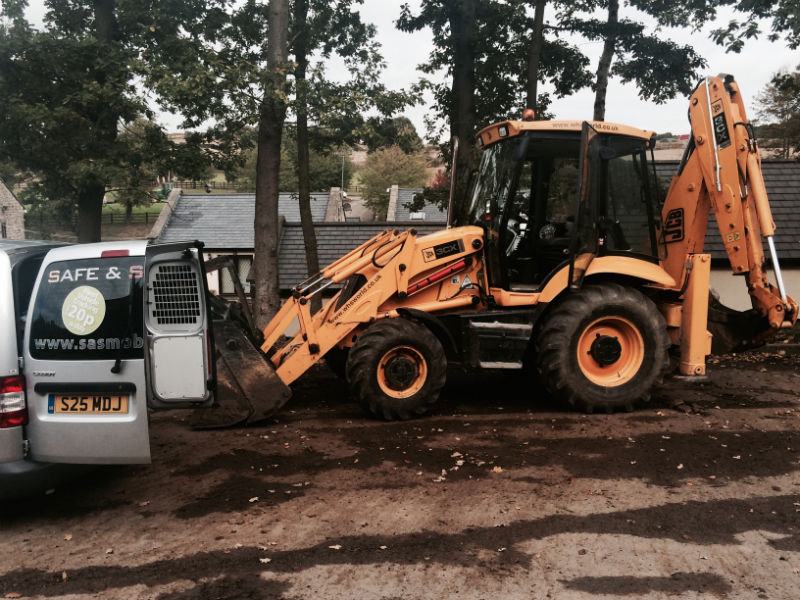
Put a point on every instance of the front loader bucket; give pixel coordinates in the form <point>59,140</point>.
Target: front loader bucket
<point>248,390</point>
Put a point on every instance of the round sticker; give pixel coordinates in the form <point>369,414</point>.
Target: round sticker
<point>83,310</point>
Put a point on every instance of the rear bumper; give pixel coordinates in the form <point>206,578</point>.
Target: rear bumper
<point>11,445</point>
<point>27,478</point>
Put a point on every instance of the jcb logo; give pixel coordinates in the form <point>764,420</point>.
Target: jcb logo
<point>673,226</point>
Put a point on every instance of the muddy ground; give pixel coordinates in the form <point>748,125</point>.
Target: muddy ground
<point>497,495</point>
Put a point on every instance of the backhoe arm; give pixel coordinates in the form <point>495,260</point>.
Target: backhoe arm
<point>721,171</point>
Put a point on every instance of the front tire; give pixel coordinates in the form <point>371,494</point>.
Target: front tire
<point>396,369</point>
<point>604,348</point>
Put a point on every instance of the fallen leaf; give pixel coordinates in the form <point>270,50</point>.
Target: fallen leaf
<point>253,499</point>
<point>503,549</point>
<point>737,457</point>
<point>680,466</point>
<point>110,551</point>
<point>383,547</point>
<point>335,547</point>
<point>456,455</point>
<point>582,551</point>
<point>265,560</point>
<point>143,503</point>
<point>64,576</point>
<point>68,537</point>
<point>497,469</point>
<point>13,595</point>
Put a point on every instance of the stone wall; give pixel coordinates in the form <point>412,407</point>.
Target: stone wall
<point>12,215</point>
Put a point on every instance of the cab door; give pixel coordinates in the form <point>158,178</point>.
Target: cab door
<point>179,344</point>
<point>584,244</point>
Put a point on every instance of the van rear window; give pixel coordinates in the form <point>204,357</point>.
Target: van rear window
<point>89,309</point>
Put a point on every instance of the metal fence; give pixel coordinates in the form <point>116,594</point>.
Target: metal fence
<point>201,185</point>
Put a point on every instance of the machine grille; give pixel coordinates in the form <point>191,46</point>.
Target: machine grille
<point>176,295</point>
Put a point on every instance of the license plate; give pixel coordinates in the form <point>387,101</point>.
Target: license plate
<point>87,404</point>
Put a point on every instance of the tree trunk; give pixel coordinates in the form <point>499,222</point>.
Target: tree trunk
<point>604,66</point>
<point>462,15</point>
<point>90,211</point>
<point>90,194</point>
<point>272,114</point>
<point>535,54</point>
<point>303,183</point>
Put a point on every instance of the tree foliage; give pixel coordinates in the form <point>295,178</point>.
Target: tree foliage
<point>71,105</point>
<point>387,167</point>
<point>497,34</point>
<point>382,132</point>
<point>325,167</point>
<point>779,112</point>
<point>783,17</point>
<point>60,116</point>
<point>635,52</point>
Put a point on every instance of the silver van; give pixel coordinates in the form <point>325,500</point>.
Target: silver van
<point>91,335</point>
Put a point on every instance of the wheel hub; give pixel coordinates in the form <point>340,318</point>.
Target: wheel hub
<point>400,371</point>
<point>610,351</point>
<point>606,350</point>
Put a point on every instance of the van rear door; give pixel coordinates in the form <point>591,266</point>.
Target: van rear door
<point>84,356</point>
<point>179,344</point>
<point>114,328</point>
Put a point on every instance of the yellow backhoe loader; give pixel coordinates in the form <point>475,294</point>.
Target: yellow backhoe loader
<point>565,255</point>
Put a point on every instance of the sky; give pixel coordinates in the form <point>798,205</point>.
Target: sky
<point>403,52</point>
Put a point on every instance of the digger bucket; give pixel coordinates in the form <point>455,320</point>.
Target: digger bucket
<point>248,390</point>
<point>736,331</point>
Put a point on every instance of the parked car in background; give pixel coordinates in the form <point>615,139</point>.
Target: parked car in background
<point>93,335</point>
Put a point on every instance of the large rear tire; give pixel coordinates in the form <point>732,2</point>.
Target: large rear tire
<point>396,369</point>
<point>603,348</point>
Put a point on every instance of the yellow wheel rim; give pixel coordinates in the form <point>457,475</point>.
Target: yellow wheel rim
<point>610,351</point>
<point>402,372</point>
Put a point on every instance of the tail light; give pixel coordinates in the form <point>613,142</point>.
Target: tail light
<point>13,411</point>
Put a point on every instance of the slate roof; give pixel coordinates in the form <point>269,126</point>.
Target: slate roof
<point>782,179</point>
<point>225,221</point>
<point>334,240</point>
<point>433,214</point>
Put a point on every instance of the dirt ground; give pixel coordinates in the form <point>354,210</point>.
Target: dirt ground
<point>497,495</point>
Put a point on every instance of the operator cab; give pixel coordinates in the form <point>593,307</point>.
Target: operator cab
<point>549,192</point>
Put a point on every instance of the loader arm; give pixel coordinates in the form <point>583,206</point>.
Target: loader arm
<point>393,270</point>
<point>721,172</point>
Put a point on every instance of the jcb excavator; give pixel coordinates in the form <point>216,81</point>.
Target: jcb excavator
<point>564,256</point>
